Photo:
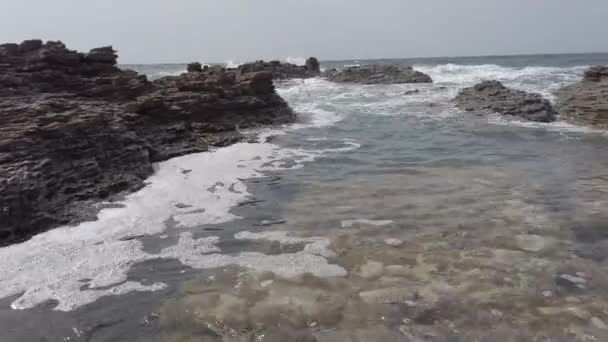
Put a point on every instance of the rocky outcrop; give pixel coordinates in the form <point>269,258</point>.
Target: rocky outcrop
<point>494,97</point>
<point>586,102</point>
<point>284,71</point>
<point>74,128</point>
<point>377,74</point>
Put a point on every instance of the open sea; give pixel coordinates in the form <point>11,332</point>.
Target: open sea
<point>383,214</point>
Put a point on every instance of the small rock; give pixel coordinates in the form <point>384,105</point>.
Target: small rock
<point>547,294</point>
<point>598,323</point>
<point>397,270</point>
<point>532,243</point>
<point>386,296</point>
<point>394,242</point>
<point>371,269</point>
<point>573,300</point>
<point>267,283</point>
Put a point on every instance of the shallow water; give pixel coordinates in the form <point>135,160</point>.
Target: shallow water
<point>380,216</point>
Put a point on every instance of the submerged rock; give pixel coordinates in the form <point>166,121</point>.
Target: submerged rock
<point>493,96</point>
<point>284,71</point>
<point>586,102</point>
<point>377,74</point>
<point>74,127</point>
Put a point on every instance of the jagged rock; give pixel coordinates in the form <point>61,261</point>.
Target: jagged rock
<point>283,71</point>
<point>74,128</point>
<point>195,67</point>
<point>377,74</point>
<point>493,96</point>
<point>586,102</point>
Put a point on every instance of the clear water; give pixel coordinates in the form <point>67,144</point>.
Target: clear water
<point>489,210</point>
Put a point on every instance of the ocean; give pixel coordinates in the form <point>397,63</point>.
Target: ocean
<point>383,214</point>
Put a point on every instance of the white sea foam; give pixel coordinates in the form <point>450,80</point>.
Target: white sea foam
<point>232,64</point>
<point>97,255</point>
<point>296,60</point>
<point>543,80</point>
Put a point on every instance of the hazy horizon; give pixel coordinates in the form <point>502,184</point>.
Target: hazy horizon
<point>157,31</point>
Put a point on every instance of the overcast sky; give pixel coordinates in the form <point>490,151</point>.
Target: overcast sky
<point>155,31</point>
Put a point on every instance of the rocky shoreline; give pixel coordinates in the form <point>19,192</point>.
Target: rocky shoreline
<point>376,74</point>
<point>586,102</point>
<point>76,129</point>
<point>493,96</point>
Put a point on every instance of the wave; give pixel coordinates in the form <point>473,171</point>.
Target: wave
<point>296,60</point>
<point>232,65</point>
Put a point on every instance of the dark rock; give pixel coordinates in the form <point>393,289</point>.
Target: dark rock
<point>105,55</point>
<point>377,74</point>
<point>493,96</point>
<point>283,71</point>
<point>586,102</point>
<point>30,45</point>
<point>313,65</point>
<point>75,129</point>
<point>412,92</point>
<point>195,67</point>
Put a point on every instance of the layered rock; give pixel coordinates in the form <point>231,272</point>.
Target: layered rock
<point>377,74</point>
<point>494,97</point>
<point>586,102</point>
<point>284,71</point>
<point>75,129</point>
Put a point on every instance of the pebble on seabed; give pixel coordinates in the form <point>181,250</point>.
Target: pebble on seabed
<point>393,242</point>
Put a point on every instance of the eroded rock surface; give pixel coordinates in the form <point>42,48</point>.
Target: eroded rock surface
<point>75,128</point>
<point>284,71</point>
<point>586,102</point>
<point>494,97</point>
<point>377,74</point>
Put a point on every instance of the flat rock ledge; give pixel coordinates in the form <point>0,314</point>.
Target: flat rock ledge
<point>494,97</point>
<point>75,129</point>
<point>376,74</point>
<point>586,102</point>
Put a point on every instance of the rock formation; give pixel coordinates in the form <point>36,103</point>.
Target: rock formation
<point>377,74</point>
<point>586,102</point>
<point>74,128</point>
<point>493,96</point>
<point>284,71</point>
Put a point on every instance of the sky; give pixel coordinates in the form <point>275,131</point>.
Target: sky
<point>174,31</point>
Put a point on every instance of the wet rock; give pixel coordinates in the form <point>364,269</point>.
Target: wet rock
<point>533,243</point>
<point>571,311</point>
<point>598,323</point>
<point>397,270</point>
<point>494,97</point>
<point>586,102</point>
<point>571,282</point>
<point>283,71</point>
<point>75,128</point>
<point>371,269</point>
<point>377,74</point>
<point>393,242</point>
<point>390,295</point>
<point>194,67</point>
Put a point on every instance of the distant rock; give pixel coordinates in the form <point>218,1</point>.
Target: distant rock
<point>284,71</point>
<point>75,128</point>
<point>376,74</point>
<point>586,102</point>
<point>493,96</point>
<point>195,67</point>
